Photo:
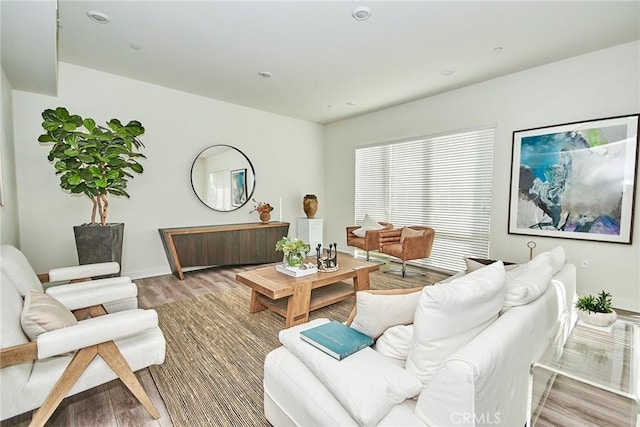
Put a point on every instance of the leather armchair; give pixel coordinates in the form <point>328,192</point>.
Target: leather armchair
<point>370,240</point>
<point>408,243</point>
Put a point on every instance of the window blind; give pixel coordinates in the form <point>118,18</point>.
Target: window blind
<point>442,182</point>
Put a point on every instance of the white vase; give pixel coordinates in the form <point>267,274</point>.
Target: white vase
<point>598,319</point>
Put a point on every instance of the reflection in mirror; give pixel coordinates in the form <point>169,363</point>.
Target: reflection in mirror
<point>223,178</point>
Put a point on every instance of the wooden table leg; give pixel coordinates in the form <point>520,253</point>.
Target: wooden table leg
<point>298,305</point>
<point>361,279</point>
<point>255,305</point>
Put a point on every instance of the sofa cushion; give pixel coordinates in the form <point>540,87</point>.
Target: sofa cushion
<point>409,232</point>
<point>395,344</point>
<point>368,223</point>
<point>366,384</point>
<point>557,258</point>
<point>527,283</point>
<point>375,313</point>
<point>42,313</point>
<point>449,315</point>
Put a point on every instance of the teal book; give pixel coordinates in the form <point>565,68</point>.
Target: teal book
<point>336,339</point>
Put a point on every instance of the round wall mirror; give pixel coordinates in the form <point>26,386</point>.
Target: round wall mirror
<point>223,178</point>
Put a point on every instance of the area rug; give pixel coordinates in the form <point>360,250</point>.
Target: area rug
<point>213,370</point>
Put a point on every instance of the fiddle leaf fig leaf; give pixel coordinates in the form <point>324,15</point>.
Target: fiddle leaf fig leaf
<point>86,158</point>
<point>90,124</point>
<point>68,126</point>
<point>74,178</point>
<point>136,167</point>
<point>46,138</point>
<point>113,174</point>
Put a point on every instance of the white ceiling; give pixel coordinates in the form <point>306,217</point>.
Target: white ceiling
<point>325,65</point>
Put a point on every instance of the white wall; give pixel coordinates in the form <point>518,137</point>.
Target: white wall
<point>9,233</point>
<point>597,85</point>
<point>178,126</point>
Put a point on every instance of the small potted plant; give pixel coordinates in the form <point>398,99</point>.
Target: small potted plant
<point>295,250</point>
<point>596,311</point>
<point>264,210</point>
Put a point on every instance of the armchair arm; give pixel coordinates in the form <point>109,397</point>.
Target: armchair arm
<point>18,354</point>
<point>371,239</point>
<point>70,288</point>
<point>351,228</point>
<point>84,271</point>
<point>389,236</point>
<point>95,331</point>
<point>86,295</point>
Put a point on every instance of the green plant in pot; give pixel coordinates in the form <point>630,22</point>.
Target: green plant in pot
<point>596,310</point>
<point>95,161</point>
<point>295,250</point>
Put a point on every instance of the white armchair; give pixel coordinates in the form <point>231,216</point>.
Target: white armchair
<point>115,293</point>
<point>60,358</point>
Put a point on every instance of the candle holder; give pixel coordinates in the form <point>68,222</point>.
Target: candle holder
<point>329,262</point>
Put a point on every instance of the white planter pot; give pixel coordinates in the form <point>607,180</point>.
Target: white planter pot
<point>597,319</point>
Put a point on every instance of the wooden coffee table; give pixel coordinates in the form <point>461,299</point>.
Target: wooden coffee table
<point>294,297</point>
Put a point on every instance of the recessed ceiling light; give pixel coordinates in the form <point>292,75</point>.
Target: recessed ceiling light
<point>98,17</point>
<point>447,72</point>
<point>264,74</point>
<point>361,13</point>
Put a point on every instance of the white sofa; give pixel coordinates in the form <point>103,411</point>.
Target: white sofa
<point>477,366</point>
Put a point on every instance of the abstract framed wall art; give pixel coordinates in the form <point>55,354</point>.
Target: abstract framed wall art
<point>575,180</point>
<point>238,187</point>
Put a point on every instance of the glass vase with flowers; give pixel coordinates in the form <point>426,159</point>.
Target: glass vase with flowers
<point>295,250</point>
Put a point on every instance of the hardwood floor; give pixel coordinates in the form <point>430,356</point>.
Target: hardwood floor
<point>112,405</point>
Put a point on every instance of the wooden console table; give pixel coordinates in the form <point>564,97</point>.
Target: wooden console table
<point>230,244</point>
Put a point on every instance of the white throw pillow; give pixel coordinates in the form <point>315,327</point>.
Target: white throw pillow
<point>368,223</point>
<point>409,232</point>
<point>42,313</point>
<point>527,284</point>
<point>366,383</point>
<point>449,315</point>
<point>375,313</point>
<point>395,344</point>
<point>558,259</point>
<point>555,257</point>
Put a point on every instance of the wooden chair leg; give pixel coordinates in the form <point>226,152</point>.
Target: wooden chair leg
<point>69,377</point>
<point>112,356</point>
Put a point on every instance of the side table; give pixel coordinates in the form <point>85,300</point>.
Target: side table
<point>310,231</point>
<point>605,358</point>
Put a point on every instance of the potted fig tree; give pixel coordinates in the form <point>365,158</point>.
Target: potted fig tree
<point>95,161</point>
<point>596,310</point>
